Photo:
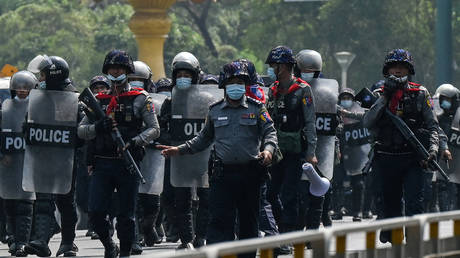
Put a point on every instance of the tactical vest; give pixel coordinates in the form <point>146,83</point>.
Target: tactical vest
<point>128,124</point>
<point>287,114</point>
<point>410,110</point>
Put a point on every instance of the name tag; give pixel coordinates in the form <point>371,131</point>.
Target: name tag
<point>222,118</point>
<point>12,142</point>
<point>60,136</point>
<point>355,134</point>
<point>326,123</point>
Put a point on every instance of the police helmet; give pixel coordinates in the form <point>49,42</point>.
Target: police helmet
<point>280,55</point>
<point>55,69</point>
<point>22,80</point>
<point>346,91</point>
<point>234,69</point>
<point>185,61</point>
<point>141,71</point>
<point>447,90</point>
<point>209,79</point>
<point>99,80</point>
<point>163,84</point>
<point>118,57</point>
<point>309,59</point>
<point>398,56</point>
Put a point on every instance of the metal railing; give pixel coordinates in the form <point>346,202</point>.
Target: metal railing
<point>410,229</point>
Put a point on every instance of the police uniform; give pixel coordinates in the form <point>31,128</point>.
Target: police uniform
<point>131,109</point>
<point>294,118</point>
<point>238,134</point>
<point>395,160</point>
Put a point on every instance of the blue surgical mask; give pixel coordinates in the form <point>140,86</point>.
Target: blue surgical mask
<point>118,79</point>
<point>271,73</point>
<point>42,85</point>
<point>137,84</point>
<point>346,103</point>
<point>183,83</point>
<point>446,104</point>
<point>235,91</point>
<point>307,76</point>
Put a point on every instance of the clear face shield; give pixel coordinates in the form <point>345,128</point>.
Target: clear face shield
<point>39,63</point>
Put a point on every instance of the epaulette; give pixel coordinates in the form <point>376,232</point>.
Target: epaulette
<point>414,84</point>
<point>216,103</point>
<point>254,101</point>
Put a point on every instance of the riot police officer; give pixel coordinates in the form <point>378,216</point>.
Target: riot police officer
<point>448,99</point>
<point>290,102</point>
<point>54,77</point>
<point>325,91</point>
<point>128,109</point>
<point>142,77</point>
<point>239,127</point>
<point>355,147</point>
<point>18,204</point>
<point>177,198</point>
<point>395,159</point>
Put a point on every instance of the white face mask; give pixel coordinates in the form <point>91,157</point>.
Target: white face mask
<point>136,84</point>
<point>346,103</point>
<point>307,76</point>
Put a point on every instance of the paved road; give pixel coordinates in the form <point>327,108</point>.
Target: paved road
<point>93,248</point>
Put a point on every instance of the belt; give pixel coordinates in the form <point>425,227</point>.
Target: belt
<point>107,157</point>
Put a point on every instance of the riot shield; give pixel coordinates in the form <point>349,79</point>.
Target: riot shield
<point>326,93</point>
<point>354,143</point>
<point>153,164</point>
<point>12,147</point>
<point>50,141</point>
<point>189,109</point>
<point>453,170</point>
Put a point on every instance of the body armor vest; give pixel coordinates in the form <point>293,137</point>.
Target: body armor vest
<point>128,124</point>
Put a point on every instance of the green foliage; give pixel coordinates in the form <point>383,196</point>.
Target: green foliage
<point>239,29</point>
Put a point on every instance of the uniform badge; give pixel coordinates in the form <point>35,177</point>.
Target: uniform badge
<point>307,101</point>
<point>265,117</point>
<point>429,102</point>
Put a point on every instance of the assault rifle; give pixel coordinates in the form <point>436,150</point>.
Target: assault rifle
<point>415,143</point>
<point>93,106</point>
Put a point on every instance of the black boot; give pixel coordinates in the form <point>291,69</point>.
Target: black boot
<point>67,250</point>
<point>23,228</point>
<point>111,250</point>
<point>43,231</point>
<point>357,197</point>
<point>148,229</point>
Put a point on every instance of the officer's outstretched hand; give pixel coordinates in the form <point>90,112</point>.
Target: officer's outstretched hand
<point>446,155</point>
<point>168,151</point>
<point>266,157</point>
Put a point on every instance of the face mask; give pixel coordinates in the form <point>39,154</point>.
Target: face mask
<point>235,91</point>
<point>446,104</point>
<point>271,73</point>
<point>307,76</point>
<point>118,79</point>
<point>137,84</point>
<point>42,85</point>
<point>166,93</point>
<point>17,98</point>
<point>346,103</point>
<point>183,83</point>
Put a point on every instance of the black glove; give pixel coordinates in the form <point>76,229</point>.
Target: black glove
<point>432,156</point>
<point>104,125</point>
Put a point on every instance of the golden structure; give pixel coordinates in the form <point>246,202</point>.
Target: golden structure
<point>150,25</point>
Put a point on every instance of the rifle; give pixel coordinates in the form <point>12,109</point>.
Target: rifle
<point>414,142</point>
<point>93,106</point>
